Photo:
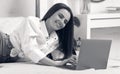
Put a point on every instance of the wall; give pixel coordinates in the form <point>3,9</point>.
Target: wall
<point>43,7</point>
<point>17,8</point>
<point>27,7</point>
<point>101,7</point>
<point>46,4</point>
<point>95,8</point>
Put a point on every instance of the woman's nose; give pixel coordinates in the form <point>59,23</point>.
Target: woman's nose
<point>63,21</point>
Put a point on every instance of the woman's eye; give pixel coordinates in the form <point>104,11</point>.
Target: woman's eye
<point>61,15</point>
<point>65,21</point>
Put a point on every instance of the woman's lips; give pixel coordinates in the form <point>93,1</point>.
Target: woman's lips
<point>59,24</point>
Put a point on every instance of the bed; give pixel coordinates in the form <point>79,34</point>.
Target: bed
<point>23,68</point>
<point>8,24</point>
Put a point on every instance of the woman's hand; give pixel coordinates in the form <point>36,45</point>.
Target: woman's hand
<point>47,61</point>
<point>50,62</point>
<point>72,60</point>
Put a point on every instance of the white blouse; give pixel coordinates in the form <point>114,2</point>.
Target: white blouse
<point>31,40</point>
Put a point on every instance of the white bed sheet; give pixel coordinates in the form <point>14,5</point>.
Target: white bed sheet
<point>23,68</point>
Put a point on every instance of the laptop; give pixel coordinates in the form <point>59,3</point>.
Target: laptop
<point>93,53</point>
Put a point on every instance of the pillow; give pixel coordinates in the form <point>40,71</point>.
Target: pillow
<point>8,24</point>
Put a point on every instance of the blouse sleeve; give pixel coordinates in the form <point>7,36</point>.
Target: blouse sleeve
<point>36,52</point>
<point>32,51</point>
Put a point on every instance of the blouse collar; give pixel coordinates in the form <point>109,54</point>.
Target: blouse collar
<point>44,29</point>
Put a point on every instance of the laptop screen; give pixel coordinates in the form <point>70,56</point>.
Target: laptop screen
<point>93,53</point>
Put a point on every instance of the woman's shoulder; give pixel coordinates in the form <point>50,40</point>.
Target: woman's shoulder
<point>54,35</point>
<point>33,18</point>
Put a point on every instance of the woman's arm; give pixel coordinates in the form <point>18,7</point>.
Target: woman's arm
<point>50,62</point>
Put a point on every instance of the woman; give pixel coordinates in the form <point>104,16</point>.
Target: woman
<point>39,40</point>
<point>66,34</point>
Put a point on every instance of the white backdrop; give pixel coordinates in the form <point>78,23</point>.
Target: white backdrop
<point>17,8</point>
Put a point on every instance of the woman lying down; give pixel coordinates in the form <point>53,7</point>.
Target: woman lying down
<point>48,41</point>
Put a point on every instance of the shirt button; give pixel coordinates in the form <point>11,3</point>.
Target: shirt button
<point>21,55</point>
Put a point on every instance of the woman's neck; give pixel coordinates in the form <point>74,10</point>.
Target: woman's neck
<point>49,29</point>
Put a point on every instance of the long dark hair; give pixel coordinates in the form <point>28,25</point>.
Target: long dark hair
<point>66,34</point>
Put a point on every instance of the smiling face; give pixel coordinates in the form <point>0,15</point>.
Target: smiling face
<point>59,19</point>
